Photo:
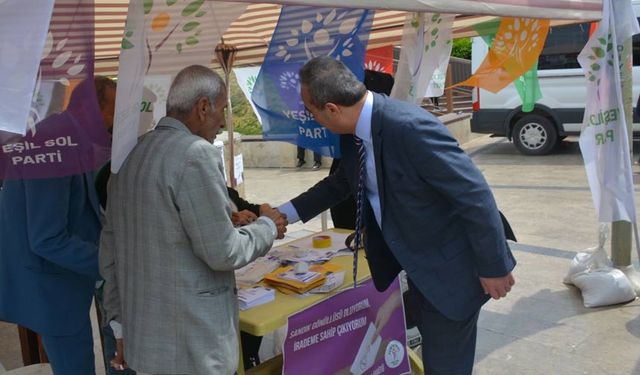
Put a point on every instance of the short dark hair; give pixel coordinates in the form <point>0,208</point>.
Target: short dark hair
<point>330,81</point>
<point>102,83</point>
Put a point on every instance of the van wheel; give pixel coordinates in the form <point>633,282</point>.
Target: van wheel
<point>534,135</point>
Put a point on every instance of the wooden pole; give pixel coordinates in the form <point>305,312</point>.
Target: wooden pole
<point>225,54</point>
<point>449,91</point>
<point>621,230</point>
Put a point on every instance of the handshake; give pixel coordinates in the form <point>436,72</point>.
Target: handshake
<point>245,217</point>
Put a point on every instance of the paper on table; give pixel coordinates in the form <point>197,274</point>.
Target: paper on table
<point>252,297</point>
<point>366,356</point>
<point>334,280</point>
<point>302,250</point>
<point>253,272</point>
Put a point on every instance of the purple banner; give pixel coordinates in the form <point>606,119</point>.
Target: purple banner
<point>66,132</point>
<point>358,331</point>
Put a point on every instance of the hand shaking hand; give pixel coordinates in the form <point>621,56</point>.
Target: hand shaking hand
<point>243,217</point>
<point>278,218</point>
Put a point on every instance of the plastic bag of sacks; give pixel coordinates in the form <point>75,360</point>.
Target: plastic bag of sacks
<point>592,272</point>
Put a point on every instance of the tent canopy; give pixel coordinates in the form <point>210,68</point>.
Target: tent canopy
<point>252,31</point>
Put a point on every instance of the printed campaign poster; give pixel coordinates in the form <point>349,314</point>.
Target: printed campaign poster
<point>65,132</point>
<point>359,331</point>
<point>302,33</point>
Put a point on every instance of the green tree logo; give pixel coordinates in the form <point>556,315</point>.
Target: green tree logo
<point>601,52</point>
<point>160,22</point>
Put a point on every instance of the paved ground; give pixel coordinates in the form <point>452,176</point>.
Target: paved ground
<point>542,327</point>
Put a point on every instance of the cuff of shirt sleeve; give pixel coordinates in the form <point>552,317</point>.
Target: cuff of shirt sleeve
<point>117,329</point>
<point>271,224</point>
<point>291,212</point>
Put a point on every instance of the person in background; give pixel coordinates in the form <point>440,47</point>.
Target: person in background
<point>49,230</point>
<point>317,159</point>
<point>106,90</point>
<point>425,208</point>
<point>168,249</point>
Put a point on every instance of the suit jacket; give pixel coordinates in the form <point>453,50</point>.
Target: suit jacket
<point>168,251</point>
<point>439,218</point>
<point>49,231</point>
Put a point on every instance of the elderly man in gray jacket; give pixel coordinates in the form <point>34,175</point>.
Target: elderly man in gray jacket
<point>168,248</point>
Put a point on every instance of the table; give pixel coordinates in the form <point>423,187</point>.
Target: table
<point>267,318</point>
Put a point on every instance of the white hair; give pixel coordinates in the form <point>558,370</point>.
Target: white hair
<point>191,84</point>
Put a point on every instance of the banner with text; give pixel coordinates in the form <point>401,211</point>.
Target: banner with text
<point>160,38</point>
<point>358,331</point>
<point>422,69</point>
<point>604,138</point>
<point>301,34</point>
<point>66,134</point>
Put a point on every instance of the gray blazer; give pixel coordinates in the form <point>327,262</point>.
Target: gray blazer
<point>168,251</point>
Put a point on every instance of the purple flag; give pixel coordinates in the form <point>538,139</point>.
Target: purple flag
<point>66,133</point>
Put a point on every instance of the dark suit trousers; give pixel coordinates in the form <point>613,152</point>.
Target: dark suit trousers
<point>448,346</point>
<point>71,355</point>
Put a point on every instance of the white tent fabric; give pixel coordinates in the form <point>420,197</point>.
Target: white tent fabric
<point>551,9</point>
<point>252,31</point>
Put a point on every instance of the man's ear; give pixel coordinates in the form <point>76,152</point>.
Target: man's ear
<point>332,108</point>
<point>202,106</point>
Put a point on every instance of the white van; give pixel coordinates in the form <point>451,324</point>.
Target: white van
<point>560,111</point>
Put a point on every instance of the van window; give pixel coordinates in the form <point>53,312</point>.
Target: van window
<point>563,46</point>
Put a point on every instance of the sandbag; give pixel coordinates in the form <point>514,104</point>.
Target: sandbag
<point>604,287</point>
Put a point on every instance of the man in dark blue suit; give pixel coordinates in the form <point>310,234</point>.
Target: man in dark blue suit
<point>427,209</point>
<point>49,231</point>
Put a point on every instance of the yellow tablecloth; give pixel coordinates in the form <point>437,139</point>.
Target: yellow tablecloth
<point>268,317</point>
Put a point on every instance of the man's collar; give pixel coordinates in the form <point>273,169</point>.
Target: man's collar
<point>173,123</point>
<point>363,126</point>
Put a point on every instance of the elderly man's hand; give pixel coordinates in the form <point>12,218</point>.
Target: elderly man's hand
<point>118,361</point>
<point>264,208</point>
<point>497,287</point>
<point>243,217</point>
<point>279,219</point>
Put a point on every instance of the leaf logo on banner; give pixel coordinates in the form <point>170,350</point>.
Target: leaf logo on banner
<point>313,33</point>
<point>160,23</point>
<point>61,58</point>
<point>515,49</point>
<point>380,59</point>
<point>432,34</point>
<point>597,53</point>
<point>251,81</point>
<point>373,65</point>
<point>290,81</point>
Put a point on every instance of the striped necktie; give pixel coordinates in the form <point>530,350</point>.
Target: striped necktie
<point>362,170</point>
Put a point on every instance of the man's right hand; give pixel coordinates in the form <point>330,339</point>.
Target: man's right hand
<point>279,219</point>
<point>118,361</point>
